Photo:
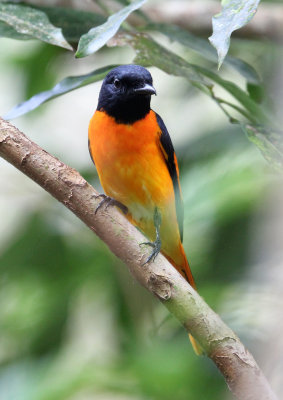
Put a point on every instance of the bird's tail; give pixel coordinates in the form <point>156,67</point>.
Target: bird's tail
<point>186,272</point>
<point>181,264</point>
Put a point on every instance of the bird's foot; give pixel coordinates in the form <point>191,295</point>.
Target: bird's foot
<point>156,246</point>
<point>109,201</point>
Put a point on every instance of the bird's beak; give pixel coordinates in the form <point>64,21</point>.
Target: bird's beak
<point>146,89</point>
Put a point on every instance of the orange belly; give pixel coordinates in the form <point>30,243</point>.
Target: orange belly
<point>132,169</point>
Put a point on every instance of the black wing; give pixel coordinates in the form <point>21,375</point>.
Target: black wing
<point>171,162</point>
<point>90,152</point>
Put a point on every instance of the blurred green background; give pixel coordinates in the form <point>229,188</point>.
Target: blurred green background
<point>73,323</point>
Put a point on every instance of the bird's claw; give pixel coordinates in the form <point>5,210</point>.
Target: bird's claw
<point>156,245</point>
<point>156,250</point>
<point>109,201</point>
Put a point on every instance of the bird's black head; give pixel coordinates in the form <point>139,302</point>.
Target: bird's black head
<point>125,93</point>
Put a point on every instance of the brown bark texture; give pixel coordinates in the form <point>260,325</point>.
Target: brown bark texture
<point>242,374</point>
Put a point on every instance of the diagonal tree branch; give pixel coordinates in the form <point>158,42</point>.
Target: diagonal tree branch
<point>240,370</point>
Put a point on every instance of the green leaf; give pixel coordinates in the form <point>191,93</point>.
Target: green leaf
<point>203,48</point>
<point>269,142</point>
<point>256,92</point>
<point>256,113</point>
<point>66,85</point>
<point>150,52</point>
<point>98,36</point>
<point>9,32</point>
<point>34,23</point>
<point>73,22</point>
<point>235,14</point>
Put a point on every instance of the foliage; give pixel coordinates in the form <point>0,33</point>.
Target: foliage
<point>32,22</point>
<point>149,52</point>
<point>65,86</point>
<point>98,36</point>
<point>235,14</point>
<point>73,323</point>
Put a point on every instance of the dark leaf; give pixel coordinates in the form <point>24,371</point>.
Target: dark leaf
<point>74,23</point>
<point>150,52</point>
<point>256,92</point>
<point>65,86</point>
<point>256,113</point>
<point>203,48</point>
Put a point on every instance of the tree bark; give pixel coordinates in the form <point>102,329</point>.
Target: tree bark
<point>242,374</point>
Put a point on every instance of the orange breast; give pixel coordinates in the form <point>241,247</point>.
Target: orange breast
<point>130,162</point>
<point>132,169</point>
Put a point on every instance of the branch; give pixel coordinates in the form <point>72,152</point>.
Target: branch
<point>196,17</point>
<point>240,370</point>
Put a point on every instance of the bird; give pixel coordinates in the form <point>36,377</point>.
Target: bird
<point>137,165</point>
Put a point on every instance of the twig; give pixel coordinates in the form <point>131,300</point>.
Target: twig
<point>240,370</point>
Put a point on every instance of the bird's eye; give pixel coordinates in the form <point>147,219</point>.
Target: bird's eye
<point>117,83</point>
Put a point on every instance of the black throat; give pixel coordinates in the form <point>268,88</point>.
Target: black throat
<point>126,111</point>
